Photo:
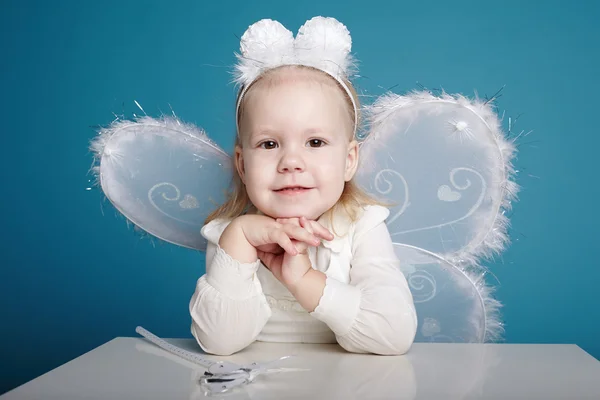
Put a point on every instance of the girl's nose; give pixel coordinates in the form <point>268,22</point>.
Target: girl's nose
<point>291,161</point>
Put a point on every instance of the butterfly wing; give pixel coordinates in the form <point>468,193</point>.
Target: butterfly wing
<point>445,165</point>
<point>453,304</point>
<point>162,175</point>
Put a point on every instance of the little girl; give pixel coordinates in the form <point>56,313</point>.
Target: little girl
<point>298,253</point>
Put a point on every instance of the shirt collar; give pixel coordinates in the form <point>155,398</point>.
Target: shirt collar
<point>338,223</point>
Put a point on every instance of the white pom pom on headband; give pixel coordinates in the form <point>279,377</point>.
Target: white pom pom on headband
<point>322,43</point>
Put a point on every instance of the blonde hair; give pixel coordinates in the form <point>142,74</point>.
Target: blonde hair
<point>353,198</point>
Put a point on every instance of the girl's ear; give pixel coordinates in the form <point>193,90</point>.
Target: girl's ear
<point>351,160</point>
<point>239,163</point>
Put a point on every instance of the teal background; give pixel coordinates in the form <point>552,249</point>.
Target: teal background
<point>73,276</point>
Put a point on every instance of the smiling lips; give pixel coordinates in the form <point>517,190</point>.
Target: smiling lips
<point>292,190</point>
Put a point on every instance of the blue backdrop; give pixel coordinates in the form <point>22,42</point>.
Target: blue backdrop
<point>73,276</point>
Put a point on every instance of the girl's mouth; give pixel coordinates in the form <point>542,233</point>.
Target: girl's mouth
<point>293,190</point>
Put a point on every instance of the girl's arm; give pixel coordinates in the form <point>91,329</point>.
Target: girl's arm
<point>375,312</point>
<point>228,307</point>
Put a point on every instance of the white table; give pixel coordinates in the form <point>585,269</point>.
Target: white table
<point>133,368</point>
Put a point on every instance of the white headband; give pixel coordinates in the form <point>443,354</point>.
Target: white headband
<point>321,43</point>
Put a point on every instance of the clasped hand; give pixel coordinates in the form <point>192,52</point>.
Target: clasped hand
<point>282,245</point>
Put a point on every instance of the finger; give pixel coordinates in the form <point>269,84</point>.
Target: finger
<point>313,227</point>
<point>305,223</point>
<point>316,228</point>
<point>281,238</point>
<point>270,248</point>
<point>293,221</point>
<point>301,235</point>
<point>300,246</point>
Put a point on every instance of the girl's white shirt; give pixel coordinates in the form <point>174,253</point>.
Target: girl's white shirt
<point>366,306</point>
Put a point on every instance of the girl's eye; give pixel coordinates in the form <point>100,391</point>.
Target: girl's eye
<point>316,143</point>
<point>268,144</point>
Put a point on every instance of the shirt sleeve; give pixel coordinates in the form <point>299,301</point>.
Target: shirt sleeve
<point>228,308</point>
<point>374,312</point>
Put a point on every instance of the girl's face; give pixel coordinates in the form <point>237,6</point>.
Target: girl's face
<point>296,152</point>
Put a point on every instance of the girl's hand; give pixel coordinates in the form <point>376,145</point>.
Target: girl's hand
<point>268,235</point>
<point>313,227</point>
<point>289,268</point>
<point>247,235</point>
